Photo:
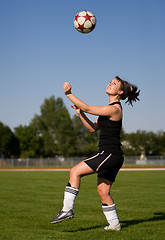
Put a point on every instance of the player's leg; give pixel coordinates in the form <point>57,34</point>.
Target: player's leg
<point>108,205</point>
<point>72,188</point>
<point>103,188</point>
<point>78,171</point>
<point>71,191</point>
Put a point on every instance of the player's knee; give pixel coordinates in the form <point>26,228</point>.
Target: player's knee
<point>102,191</point>
<point>99,191</point>
<point>73,172</point>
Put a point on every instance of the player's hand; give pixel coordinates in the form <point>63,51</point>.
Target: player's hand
<point>78,111</point>
<point>67,88</point>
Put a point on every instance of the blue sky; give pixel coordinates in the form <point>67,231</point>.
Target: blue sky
<point>40,49</point>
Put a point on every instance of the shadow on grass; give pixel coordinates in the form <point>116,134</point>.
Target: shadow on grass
<point>158,216</point>
<point>81,229</point>
<point>124,224</point>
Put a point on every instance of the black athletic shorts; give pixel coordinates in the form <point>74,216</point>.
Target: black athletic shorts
<point>105,164</point>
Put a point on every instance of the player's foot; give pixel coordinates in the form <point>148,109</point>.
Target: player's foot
<point>61,216</point>
<point>115,227</point>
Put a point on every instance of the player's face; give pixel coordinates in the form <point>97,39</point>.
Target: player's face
<point>113,88</point>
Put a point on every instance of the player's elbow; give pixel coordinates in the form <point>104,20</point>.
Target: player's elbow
<point>92,130</point>
<point>86,109</point>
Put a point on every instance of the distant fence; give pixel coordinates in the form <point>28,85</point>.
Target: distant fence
<point>69,162</point>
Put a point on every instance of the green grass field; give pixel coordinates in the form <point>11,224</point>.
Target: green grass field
<point>29,200</point>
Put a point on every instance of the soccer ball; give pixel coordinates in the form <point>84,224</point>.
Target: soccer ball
<point>84,22</point>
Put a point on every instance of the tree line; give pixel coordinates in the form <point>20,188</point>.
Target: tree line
<point>54,133</point>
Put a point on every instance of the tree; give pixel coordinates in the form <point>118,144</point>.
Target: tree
<point>142,142</point>
<point>31,144</point>
<point>160,143</point>
<point>54,125</point>
<point>9,144</point>
<point>86,142</point>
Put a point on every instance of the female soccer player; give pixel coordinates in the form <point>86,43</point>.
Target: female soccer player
<point>109,159</point>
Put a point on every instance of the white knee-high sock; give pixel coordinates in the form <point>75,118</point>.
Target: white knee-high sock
<point>111,214</point>
<point>70,195</point>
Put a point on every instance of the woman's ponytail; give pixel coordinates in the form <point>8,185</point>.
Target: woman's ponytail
<point>130,91</point>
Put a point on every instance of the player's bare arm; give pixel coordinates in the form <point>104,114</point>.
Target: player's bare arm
<point>106,110</point>
<point>91,126</point>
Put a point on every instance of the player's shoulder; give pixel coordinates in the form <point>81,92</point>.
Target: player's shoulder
<point>114,108</point>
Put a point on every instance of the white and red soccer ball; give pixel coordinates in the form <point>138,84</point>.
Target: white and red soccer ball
<point>84,21</point>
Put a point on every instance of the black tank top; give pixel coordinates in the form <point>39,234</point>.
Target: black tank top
<point>110,133</point>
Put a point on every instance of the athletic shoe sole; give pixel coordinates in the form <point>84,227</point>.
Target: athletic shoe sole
<point>113,228</point>
<point>61,216</point>
<point>61,220</point>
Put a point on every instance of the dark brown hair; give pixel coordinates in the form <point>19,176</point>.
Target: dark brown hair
<point>130,91</point>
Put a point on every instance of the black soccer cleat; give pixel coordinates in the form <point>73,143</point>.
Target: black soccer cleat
<point>61,216</point>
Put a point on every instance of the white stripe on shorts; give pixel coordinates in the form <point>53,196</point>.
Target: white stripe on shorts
<point>91,157</point>
<point>103,162</point>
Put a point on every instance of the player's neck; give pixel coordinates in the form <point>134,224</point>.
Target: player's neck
<point>113,99</point>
